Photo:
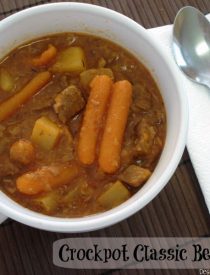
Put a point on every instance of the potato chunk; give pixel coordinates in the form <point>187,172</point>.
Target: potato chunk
<point>82,191</point>
<point>135,175</point>
<point>46,133</point>
<point>71,59</point>
<point>87,76</point>
<point>49,201</point>
<point>6,81</point>
<point>116,194</point>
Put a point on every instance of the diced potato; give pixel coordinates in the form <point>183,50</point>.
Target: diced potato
<point>49,201</point>
<point>46,133</point>
<point>116,194</point>
<point>71,195</point>
<point>70,60</point>
<point>135,175</point>
<point>81,190</point>
<point>88,75</point>
<point>6,81</point>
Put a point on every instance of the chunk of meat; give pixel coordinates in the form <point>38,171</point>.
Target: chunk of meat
<point>141,97</point>
<point>68,103</point>
<point>146,134</point>
<point>135,175</point>
<point>22,151</point>
<point>154,152</point>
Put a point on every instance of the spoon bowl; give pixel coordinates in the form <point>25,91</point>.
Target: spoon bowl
<point>191,44</point>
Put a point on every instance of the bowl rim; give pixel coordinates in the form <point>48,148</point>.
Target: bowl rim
<point>121,212</point>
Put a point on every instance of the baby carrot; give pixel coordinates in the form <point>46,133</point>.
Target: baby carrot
<point>9,106</point>
<point>46,178</point>
<point>95,109</point>
<point>46,57</point>
<point>110,148</point>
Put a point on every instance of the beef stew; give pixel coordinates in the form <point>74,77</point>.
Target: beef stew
<point>82,125</point>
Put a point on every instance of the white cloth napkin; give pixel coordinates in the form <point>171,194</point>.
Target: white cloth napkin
<point>198,142</point>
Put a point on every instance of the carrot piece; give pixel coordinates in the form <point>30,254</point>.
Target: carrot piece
<point>9,106</point>
<point>46,178</point>
<point>110,148</point>
<point>95,109</point>
<point>46,57</point>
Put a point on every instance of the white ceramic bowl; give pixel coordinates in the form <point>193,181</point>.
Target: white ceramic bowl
<point>77,17</point>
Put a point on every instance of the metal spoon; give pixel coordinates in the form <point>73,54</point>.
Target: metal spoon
<point>191,44</point>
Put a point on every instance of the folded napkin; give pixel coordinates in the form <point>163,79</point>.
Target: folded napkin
<point>198,141</point>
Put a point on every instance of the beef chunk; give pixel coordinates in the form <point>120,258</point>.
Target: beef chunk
<point>135,175</point>
<point>154,152</point>
<point>68,103</point>
<point>142,99</point>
